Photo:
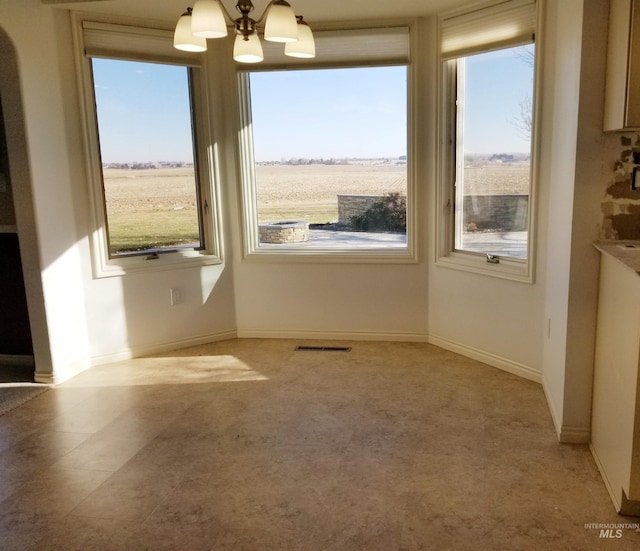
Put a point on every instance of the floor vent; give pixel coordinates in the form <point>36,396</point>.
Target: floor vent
<point>323,348</point>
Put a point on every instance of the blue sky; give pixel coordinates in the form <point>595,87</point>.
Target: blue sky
<point>330,113</point>
<point>143,110</point>
<point>496,83</point>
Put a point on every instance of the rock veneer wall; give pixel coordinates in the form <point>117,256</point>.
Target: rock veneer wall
<point>482,212</point>
<point>621,205</point>
<point>496,212</point>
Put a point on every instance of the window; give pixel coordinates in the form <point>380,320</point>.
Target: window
<point>326,156</point>
<point>146,144</point>
<point>487,184</point>
<point>147,134</point>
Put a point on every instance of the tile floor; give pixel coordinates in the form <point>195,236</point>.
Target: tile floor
<point>248,444</point>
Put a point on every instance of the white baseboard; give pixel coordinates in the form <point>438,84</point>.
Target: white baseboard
<point>615,498</point>
<point>146,350</point>
<point>17,359</point>
<point>515,368</point>
<point>330,335</point>
<point>47,378</point>
<point>566,434</point>
<point>574,435</point>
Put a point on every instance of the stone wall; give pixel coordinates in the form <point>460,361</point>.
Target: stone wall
<point>482,212</point>
<point>496,212</point>
<point>351,205</point>
<point>621,205</point>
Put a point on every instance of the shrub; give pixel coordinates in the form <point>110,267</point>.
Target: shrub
<point>389,214</point>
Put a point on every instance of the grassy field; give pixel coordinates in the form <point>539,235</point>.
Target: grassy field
<point>150,208</point>
<point>161,203</point>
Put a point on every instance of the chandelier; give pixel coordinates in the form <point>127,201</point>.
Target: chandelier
<point>208,19</point>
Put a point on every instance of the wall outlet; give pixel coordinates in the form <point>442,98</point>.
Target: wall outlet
<point>177,295</point>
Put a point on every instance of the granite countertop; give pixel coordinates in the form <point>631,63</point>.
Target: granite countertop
<point>627,252</point>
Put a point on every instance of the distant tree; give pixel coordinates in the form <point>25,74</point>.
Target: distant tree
<point>524,121</point>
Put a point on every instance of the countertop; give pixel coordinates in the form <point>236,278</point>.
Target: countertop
<point>627,252</point>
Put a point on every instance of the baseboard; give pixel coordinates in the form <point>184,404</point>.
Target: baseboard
<point>555,417</point>
<point>17,359</point>
<point>166,346</point>
<point>566,434</point>
<point>47,378</point>
<point>330,335</point>
<point>515,368</point>
<point>612,494</point>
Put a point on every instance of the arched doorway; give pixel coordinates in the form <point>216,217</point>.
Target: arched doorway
<point>25,320</point>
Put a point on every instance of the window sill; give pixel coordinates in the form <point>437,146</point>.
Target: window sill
<point>175,260</point>
<point>328,255</point>
<point>511,269</point>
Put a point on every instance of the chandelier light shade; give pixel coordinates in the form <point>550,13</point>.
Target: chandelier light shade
<point>183,38</point>
<point>207,20</point>
<point>210,19</point>
<point>305,46</point>
<point>281,24</point>
<point>248,50</point>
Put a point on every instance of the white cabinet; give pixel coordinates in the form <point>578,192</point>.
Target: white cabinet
<point>615,420</point>
<point>622,96</point>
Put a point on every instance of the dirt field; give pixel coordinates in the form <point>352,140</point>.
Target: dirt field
<point>141,198</point>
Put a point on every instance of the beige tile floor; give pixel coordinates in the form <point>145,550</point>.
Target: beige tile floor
<point>248,444</point>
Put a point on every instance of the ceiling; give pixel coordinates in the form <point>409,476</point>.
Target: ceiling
<point>314,11</point>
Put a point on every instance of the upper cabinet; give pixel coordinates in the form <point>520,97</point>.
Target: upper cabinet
<point>622,98</point>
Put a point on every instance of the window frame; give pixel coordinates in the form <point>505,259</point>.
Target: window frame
<point>205,163</point>
<point>447,255</point>
<point>291,253</point>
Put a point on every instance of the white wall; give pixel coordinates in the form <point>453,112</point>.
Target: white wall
<point>592,170</point>
<point>92,320</point>
<point>563,35</point>
<point>497,321</point>
<point>575,161</point>
<point>39,62</point>
<point>330,300</point>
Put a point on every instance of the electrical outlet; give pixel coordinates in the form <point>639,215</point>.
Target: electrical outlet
<point>177,295</point>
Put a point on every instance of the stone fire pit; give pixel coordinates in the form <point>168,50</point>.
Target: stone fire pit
<point>284,232</point>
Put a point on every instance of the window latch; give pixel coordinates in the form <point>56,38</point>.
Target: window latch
<point>493,258</point>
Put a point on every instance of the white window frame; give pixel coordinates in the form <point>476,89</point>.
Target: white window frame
<point>447,255</point>
<point>97,37</point>
<point>331,46</point>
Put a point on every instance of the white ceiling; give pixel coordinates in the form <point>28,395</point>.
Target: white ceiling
<point>313,10</point>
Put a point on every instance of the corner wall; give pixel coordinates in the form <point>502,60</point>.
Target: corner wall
<point>575,159</point>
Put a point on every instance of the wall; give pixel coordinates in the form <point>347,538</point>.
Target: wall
<point>494,320</point>
<point>621,205</point>
<point>321,299</point>
<point>574,161</point>
<point>87,320</point>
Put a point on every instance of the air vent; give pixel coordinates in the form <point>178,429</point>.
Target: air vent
<point>323,348</point>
